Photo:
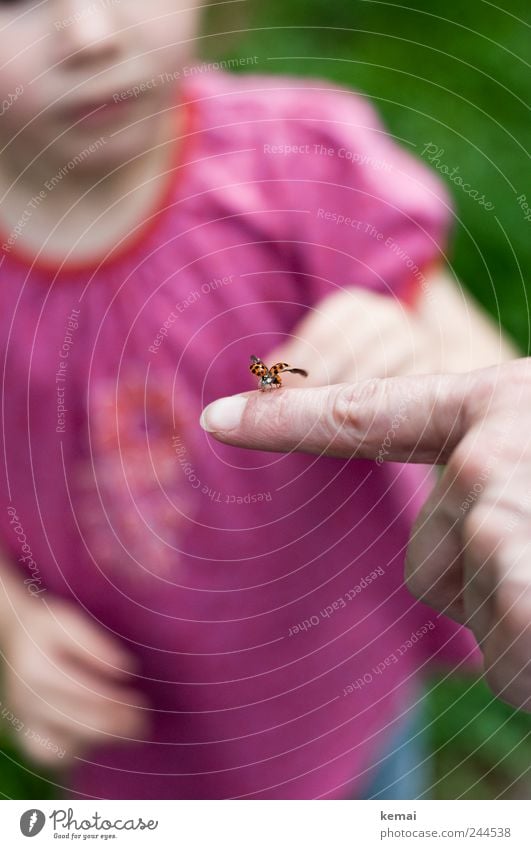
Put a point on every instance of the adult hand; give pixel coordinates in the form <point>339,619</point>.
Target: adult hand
<point>470,551</point>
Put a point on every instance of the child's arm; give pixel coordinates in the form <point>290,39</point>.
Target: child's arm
<point>355,334</point>
<point>468,338</point>
<point>65,681</point>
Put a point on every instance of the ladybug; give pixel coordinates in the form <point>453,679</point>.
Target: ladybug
<point>269,378</point>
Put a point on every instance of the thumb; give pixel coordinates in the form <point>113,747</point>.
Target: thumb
<point>415,418</point>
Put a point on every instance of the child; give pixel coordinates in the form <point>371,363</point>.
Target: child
<point>179,619</point>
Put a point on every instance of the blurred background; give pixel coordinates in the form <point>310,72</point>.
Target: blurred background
<point>454,75</point>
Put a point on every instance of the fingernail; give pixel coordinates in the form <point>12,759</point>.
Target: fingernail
<point>224,414</point>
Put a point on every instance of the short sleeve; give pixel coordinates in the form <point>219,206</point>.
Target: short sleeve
<point>365,211</point>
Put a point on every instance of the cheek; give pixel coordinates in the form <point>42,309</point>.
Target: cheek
<point>14,72</point>
<point>23,60</point>
<point>172,33</point>
<point>20,102</point>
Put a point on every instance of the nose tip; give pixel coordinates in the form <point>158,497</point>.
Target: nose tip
<point>86,33</point>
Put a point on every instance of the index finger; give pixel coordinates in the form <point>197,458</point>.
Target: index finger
<point>416,418</point>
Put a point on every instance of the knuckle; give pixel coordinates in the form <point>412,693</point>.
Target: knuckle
<point>511,374</point>
<point>348,403</point>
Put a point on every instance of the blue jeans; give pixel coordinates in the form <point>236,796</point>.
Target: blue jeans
<point>401,774</point>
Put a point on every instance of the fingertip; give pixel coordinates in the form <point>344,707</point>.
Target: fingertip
<point>223,415</point>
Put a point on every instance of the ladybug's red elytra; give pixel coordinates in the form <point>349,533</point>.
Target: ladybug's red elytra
<point>269,378</point>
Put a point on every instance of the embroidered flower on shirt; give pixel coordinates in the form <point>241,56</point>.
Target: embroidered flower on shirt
<point>133,501</point>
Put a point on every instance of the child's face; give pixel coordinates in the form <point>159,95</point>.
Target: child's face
<point>61,59</point>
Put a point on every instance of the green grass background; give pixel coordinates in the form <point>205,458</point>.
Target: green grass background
<point>457,75</point>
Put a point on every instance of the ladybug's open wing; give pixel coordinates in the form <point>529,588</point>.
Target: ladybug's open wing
<point>257,366</point>
<point>279,367</point>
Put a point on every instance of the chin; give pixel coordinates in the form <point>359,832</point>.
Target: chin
<point>105,147</point>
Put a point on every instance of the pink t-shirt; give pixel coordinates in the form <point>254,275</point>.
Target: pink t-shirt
<point>262,594</point>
